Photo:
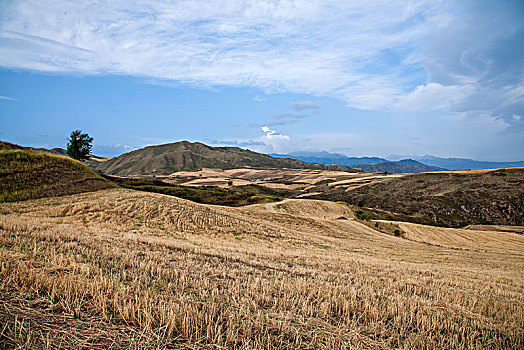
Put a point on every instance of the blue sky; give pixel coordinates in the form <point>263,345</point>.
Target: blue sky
<point>361,78</point>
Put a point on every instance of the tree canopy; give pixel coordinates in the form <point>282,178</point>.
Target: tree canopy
<point>79,145</point>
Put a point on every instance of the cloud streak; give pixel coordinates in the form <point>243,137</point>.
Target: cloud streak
<point>301,106</point>
<point>8,98</point>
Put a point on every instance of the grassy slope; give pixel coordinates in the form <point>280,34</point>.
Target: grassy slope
<point>26,175</point>
<point>124,269</point>
<point>445,199</point>
<point>187,156</point>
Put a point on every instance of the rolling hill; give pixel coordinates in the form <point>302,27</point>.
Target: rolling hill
<point>452,199</point>
<point>187,156</point>
<point>122,269</point>
<point>27,174</point>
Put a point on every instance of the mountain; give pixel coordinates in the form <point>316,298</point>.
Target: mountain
<point>187,156</point>
<point>27,173</point>
<point>402,166</point>
<point>460,163</point>
<point>368,164</point>
<point>464,163</point>
<point>329,158</point>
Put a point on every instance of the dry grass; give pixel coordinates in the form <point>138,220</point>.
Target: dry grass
<point>122,269</point>
<point>271,178</point>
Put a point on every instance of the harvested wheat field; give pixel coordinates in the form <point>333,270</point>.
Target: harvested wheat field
<point>123,269</point>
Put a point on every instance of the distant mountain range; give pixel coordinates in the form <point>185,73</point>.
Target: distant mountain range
<point>368,164</point>
<point>402,166</point>
<point>465,164</point>
<point>189,156</point>
<point>329,158</point>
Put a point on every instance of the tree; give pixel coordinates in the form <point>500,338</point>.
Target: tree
<point>79,145</point>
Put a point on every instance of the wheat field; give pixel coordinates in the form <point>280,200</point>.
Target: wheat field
<point>123,269</point>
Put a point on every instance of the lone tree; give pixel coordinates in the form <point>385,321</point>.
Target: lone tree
<point>79,145</point>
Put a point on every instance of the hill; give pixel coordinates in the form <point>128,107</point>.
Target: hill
<point>26,174</point>
<point>402,166</point>
<point>187,156</point>
<point>453,199</point>
<point>122,269</point>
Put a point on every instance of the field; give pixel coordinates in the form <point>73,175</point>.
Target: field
<point>125,269</point>
<point>299,180</point>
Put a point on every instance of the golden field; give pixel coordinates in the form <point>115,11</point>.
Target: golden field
<point>133,270</point>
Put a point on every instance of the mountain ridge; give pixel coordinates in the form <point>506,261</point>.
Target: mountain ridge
<point>454,163</point>
<point>401,166</point>
<point>190,156</point>
<point>329,158</point>
<point>368,164</point>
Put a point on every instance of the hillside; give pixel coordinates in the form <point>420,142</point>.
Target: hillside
<point>186,156</point>
<point>122,269</point>
<point>26,174</point>
<point>451,199</point>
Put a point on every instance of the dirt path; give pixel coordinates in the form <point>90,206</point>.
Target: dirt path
<point>271,206</point>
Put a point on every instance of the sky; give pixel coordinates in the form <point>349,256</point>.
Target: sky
<point>361,78</point>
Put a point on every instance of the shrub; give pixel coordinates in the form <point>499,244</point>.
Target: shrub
<point>365,216</point>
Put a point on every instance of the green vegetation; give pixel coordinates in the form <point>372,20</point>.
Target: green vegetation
<point>27,175</point>
<point>79,145</point>
<point>234,196</point>
<point>365,216</point>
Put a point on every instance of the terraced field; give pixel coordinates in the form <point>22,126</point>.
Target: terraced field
<point>125,269</point>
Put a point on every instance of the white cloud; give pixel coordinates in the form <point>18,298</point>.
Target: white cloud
<point>273,141</point>
<point>319,47</point>
<point>516,117</point>
<point>259,98</point>
<point>434,96</point>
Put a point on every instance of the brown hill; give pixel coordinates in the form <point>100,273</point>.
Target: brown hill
<point>451,199</point>
<point>187,156</point>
